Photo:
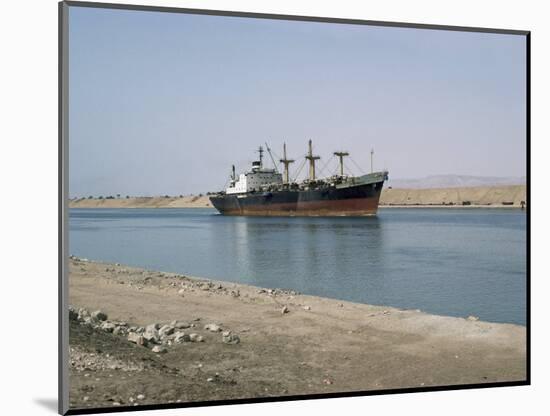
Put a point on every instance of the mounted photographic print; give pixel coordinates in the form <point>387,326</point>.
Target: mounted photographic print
<point>267,208</point>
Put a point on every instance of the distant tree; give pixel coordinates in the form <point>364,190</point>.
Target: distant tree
<point>100,196</point>
<point>110,197</point>
<point>90,197</point>
<point>181,196</point>
<point>166,196</point>
<point>118,196</point>
<point>127,197</point>
<point>200,194</point>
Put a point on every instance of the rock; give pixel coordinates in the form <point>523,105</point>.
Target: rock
<point>212,328</point>
<point>151,335</point>
<point>182,325</point>
<point>73,314</point>
<point>182,337</point>
<point>210,379</point>
<point>88,321</point>
<point>151,338</point>
<point>196,338</point>
<point>98,315</point>
<point>167,339</point>
<point>119,330</point>
<point>108,326</point>
<point>472,318</point>
<point>140,397</point>
<point>83,313</point>
<point>136,339</point>
<point>229,338</point>
<point>159,349</point>
<point>152,327</point>
<point>166,330</point>
<point>284,310</point>
<point>307,308</point>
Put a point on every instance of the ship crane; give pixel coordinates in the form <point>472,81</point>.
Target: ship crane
<point>286,162</point>
<point>272,159</point>
<point>341,157</point>
<point>312,160</point>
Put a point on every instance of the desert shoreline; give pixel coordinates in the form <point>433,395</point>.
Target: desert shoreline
<point>508,197</point>
<point>289,343</point>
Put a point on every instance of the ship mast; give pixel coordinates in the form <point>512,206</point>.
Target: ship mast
<point>261,152</point>
<point>341,157</point>
<point>312,160</point>
<point>371,165</point>
<point>285,162</point>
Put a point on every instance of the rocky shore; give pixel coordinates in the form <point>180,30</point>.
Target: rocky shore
<point>144,337</point>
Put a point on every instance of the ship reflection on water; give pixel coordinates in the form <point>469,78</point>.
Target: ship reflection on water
<point>298,253</point>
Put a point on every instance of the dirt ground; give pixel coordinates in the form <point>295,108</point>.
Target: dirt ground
<point>319,346</point>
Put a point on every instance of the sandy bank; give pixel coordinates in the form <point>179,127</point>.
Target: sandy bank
<point>143,202</point>
<point>493,197</point>
<point>320,345</point>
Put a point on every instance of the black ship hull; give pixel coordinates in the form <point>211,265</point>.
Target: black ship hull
<point>355,200</point>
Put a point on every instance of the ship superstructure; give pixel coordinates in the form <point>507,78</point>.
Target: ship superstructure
<point>257,178</point>
<point>265,191</point>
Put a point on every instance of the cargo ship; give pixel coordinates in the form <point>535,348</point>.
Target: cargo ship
<point>264,191</point>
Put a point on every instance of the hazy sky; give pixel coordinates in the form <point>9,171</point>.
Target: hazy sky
<point>164,103</point>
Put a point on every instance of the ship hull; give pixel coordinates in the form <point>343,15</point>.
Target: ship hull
<point>360,200</point>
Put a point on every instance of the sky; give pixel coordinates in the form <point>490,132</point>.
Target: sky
<point>163,103</point>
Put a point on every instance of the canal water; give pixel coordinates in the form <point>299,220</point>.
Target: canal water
<point>456,262</point>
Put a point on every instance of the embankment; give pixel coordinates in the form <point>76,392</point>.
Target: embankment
<point>494,196</point>
<point>164,337</point>
<point>490,196</point>
<point>143,202</point>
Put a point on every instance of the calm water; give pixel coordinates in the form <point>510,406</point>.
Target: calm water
<point>444,261</point>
